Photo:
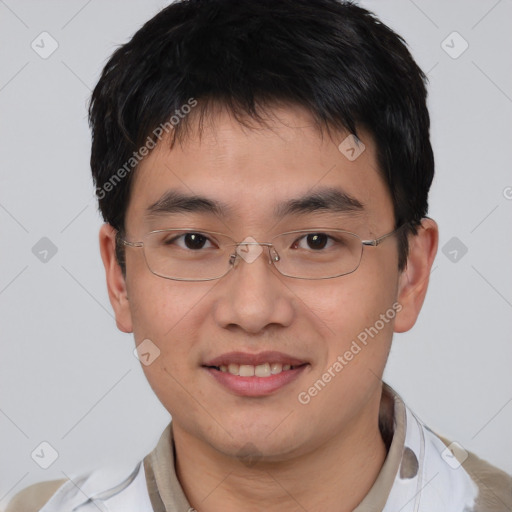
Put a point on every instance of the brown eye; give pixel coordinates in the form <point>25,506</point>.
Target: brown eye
<point>189,241</point>
<point>312,241</point>
<point>317,240</point>
<point>194,240</point>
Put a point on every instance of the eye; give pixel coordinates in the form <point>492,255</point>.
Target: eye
<point>315,241</point>
<point>193,241</point>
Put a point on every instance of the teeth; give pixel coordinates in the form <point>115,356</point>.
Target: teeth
<point>262,370</point>
<point>249,370</point>
<point>276,368</point>
<point>233,368</point>
<point>246,370</point>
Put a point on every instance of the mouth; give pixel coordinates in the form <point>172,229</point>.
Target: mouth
<point>255,375</point>
<point>264,370</point>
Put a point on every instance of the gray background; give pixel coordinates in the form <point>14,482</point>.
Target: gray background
<point>69,378</point>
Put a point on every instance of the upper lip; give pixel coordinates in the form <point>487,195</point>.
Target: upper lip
<point>254,359</point>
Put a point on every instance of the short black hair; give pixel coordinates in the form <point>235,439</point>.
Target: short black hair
<point>332,57</point>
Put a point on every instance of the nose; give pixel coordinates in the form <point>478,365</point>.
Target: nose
<point>253,295</point>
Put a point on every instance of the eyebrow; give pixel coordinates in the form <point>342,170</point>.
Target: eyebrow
<point>327,199</point>
<point>177,202</point>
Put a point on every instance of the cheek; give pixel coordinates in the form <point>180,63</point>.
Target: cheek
<point>347,308</point>
<point>359,308</point>
<point>168,314</point>
<point>356,315</point>
<point>160,308</point>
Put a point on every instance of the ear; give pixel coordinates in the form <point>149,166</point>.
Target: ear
<point>116,283</point>
<point>413,281</point>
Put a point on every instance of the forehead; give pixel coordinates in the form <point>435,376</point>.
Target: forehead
<point>255,173</point>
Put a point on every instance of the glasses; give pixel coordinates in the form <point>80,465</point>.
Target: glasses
<point>184,254</point>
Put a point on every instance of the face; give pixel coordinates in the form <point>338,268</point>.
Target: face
<point>310,324</point>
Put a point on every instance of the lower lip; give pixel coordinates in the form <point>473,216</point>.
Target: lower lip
<point>255,386</point>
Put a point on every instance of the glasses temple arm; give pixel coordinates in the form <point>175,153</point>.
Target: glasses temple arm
<point>377,241</point>
<point>131,244</point>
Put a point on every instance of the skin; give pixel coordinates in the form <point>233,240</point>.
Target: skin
<point>333,443</point>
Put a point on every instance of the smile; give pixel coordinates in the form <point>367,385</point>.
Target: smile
<point>249,370</point>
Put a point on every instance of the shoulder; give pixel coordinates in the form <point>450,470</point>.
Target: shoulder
<point>494,485</point>
<point>34,497</point>
<point>117,488</point>
<point>461,481</point>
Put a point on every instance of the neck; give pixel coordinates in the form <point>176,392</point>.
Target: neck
<point>334,476</point>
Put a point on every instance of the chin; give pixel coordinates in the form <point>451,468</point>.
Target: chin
<point>257,440</point>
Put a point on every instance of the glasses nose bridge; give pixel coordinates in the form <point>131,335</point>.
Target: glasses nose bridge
<point>273,255</point>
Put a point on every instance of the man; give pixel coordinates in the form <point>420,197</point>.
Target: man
<point>263,169</point>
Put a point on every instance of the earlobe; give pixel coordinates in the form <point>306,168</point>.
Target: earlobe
<point>116,283</point>
<point>413,281</point>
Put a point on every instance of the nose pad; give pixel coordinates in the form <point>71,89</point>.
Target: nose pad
<point>234,260</point>
<point>273,255</point>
